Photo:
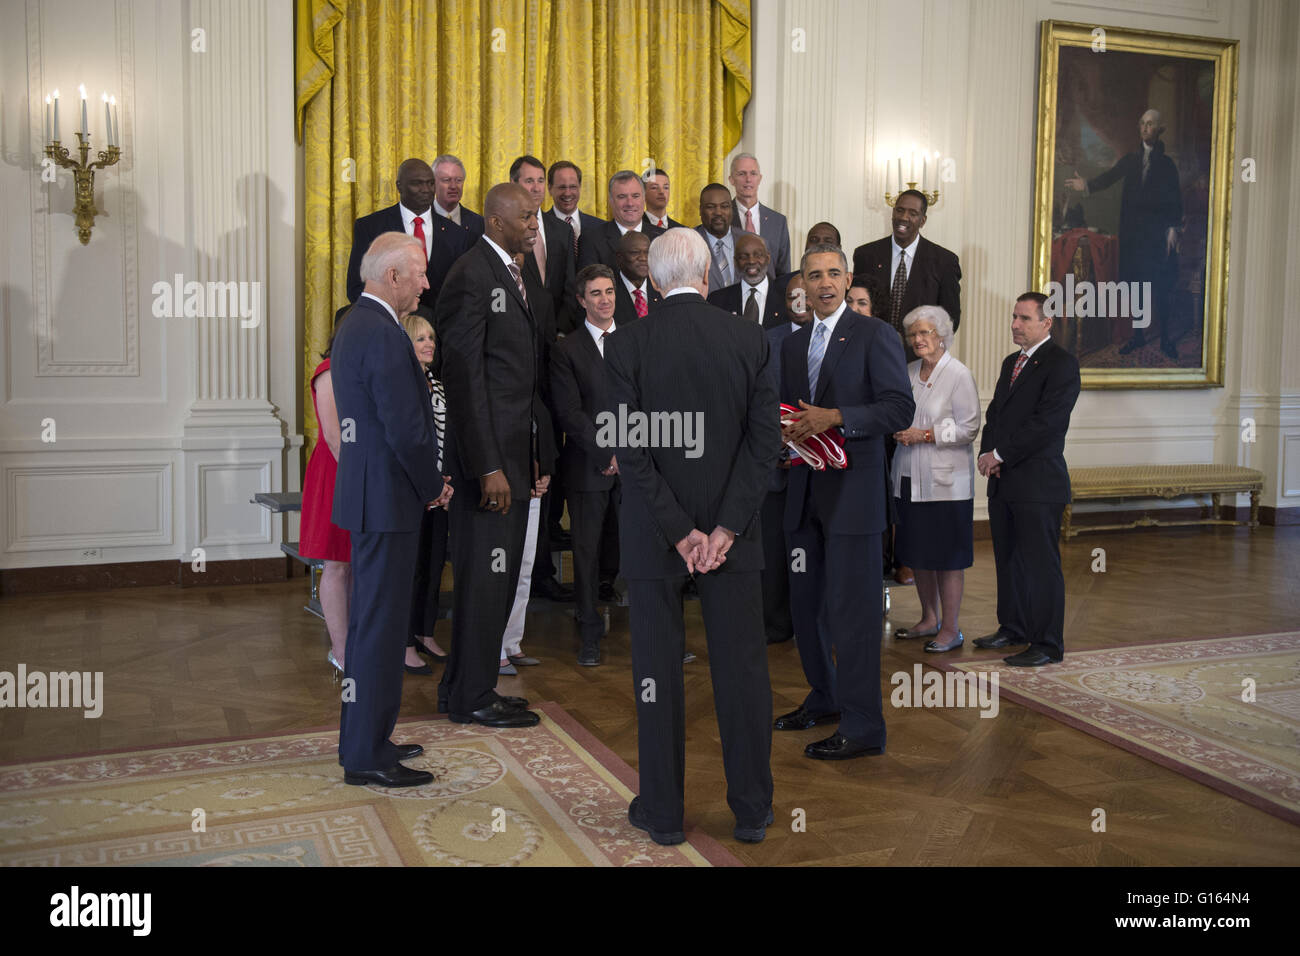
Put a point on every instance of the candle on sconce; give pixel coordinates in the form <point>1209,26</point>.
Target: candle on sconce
<point>108,120</point>
<point>47,120</point>
<point>117,129</point>
<point>925,171</point>
<point>56,116</point>
<point>85,118</point>
<point>900,173</point>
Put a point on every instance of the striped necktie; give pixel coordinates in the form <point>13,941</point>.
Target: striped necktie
<point>816,352</point>
<point>1020,364</point>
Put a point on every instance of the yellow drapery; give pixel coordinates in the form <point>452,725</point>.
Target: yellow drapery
<point>609,85</point>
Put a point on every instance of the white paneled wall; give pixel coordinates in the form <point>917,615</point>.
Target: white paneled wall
<point>839,83</point>
<point>163,425</point>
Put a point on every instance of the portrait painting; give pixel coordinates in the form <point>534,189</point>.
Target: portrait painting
<point>1134,178</point>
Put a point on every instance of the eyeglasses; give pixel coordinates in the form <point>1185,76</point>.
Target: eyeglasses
<point>917,335</point>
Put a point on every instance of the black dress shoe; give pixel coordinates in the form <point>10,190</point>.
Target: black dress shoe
<point>802,720</point>
<point>421,649</point>
<point>998,638</point>
<point>517,702</point>
<point>394,776</point>
<point>408,751</point>
<point>839,747</point>
<point>499,714</point>
<point>552,589</point>
<point>779,638</point>
<point>421,670</point>
<point>1029,658</point>
<point>753,834</point>
<point>662,837</point>
<point>608,592</point>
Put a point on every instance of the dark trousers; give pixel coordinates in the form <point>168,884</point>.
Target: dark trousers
<point>741,692</point>
<point>543,564</point>
<point>836,604</point>
<point>589,513</point>
<point>486,551</point>
<point>1031,586</point>
<point>429,561</point>
<point>776,569</point>
<point>378,619</point>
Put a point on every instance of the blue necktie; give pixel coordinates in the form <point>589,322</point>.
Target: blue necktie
<point>816,351</point>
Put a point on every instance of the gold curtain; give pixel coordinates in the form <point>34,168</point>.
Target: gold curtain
<point>609,85</point>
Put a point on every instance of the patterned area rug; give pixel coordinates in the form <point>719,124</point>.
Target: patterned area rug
<point>550,795</point>
<point>1223,711</point>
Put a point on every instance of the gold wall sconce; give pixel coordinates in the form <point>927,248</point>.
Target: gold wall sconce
<point>929,176</point>
<point>83,171</point>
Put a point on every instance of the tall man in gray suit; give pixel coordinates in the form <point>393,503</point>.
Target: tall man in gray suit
<point>690,507</point>
<point>719,235</point>
<point>752,216</point>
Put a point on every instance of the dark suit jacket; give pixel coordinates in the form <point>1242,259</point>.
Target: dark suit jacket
<point>559,280</point>
<point>776,336</point>
<point>672,223</point>
<point>715,278</point>
<point>864,376</point>
<point>600,244</point>
<point>388,471</point>
<point>935,278</point>
<point>698,360</point>
<point>732,298</point>
<point>472,223</point>
<point>1027,422</point>
<point>490,370</point>
<point>625,308</point>
<point>578,394</point>
<point>449,242</point>
<point>586,220</point>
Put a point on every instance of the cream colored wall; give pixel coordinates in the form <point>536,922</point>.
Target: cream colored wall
<point>164,427</point>
<point>962,77</point>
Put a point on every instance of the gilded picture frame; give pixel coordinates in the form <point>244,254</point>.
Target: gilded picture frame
<point>1133,193</point>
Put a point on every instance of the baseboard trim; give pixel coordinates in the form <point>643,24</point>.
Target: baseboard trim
<point>144,574</point>
<point>1272,517</point>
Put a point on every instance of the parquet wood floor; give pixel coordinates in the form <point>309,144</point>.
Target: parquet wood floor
<point>953,788</point>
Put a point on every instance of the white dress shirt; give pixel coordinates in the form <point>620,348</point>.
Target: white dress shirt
<point>624,230</point>
<point>408,218</point>
<point>575,224</point>
<point>453,215</point>
<point>830,330</point>
<point>598,334</point>
<point>762,296</point>
<point>908,255</point>
<point>506,258</point>
<point>631,289</point>
<point>741,209</point>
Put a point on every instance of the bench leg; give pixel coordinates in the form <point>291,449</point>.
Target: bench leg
<point>1217,506</point>
<point>1254,510</point>
<point>1066,530</point>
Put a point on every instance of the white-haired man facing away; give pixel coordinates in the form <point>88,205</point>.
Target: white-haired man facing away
<point>694,478</point>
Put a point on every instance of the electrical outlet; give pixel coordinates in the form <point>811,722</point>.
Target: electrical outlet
<point>93,553</point>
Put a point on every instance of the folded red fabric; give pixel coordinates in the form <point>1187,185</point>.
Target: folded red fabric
<point>819,451</point>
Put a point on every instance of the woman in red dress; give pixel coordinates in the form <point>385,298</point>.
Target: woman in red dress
<point>320,537</point>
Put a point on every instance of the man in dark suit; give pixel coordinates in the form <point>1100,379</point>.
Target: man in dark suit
<point>695,365</point>
<point>749,215</point>
<point>564,180</point>
<point>846,371</point>
<point>719,235</point>
<point>1022,454</point>
<point>552,261</point>
<point>757,297</point>
<point>656,200</point>
<point>387,475</point>
<point>491,350</point>
<point>449,183</point>
<point>627,202</point>
<point>912,269</point>
<point>777,621</point>
<point>1150,215</point>
<point>589,471</point>
<point>444,241</point>
<point>634,295</point>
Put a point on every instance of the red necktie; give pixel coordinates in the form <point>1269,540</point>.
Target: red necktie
<point>418,223</point>
<point>1020,363</point>
<point>749,221</point>
<point>639,297</point>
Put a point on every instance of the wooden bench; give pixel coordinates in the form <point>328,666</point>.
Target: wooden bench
<point>1163,481</point>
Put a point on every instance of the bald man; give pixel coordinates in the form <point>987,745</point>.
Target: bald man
<point>1150,215</point>
<point>413,214</point>
<point>756,297</point>
<point>502,449</point>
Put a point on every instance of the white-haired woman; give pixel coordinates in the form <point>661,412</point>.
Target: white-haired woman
<point>934,476</point>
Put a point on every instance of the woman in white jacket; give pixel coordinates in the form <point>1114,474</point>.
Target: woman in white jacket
<point>934,477</point>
